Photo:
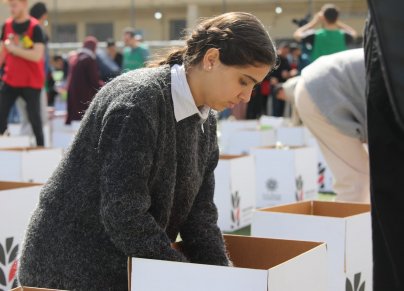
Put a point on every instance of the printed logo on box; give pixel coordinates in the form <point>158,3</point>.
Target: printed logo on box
<point>236,211</point>
<point>272,185</point>
<point>8,265</point>
<point>299,188</point>
<point>321,175</point>
<point>357,284</point>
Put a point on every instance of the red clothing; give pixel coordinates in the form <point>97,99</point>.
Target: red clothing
<point>19,72</point>
<point>82,85</point>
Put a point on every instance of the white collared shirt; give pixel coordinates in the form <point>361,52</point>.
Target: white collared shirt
<point>184,103</point>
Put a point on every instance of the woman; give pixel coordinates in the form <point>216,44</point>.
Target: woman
<point>140,170</point>
<point>83,81</point>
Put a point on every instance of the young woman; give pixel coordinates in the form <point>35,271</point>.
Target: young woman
<point>141,169</point>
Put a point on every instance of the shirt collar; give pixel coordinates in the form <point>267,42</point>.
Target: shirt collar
<point>184,103</point>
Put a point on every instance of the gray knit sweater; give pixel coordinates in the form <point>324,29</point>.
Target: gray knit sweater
<point>133,180</point>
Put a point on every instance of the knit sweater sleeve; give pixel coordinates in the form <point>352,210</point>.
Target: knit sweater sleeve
<point>202,239</point>
<point>125,149</point>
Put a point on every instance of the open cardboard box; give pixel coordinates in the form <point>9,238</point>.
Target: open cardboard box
<point>293,136</point>
<point>345,227</point>
<point>259,265</point>
<point>29,164</point>
<point>235,191</point>
<point>285,175</point>
<point>14,141</point>
<point>17,202</point>
<point>34,289</point>
<point>242,141</point>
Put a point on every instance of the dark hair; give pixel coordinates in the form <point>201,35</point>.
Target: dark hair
<point>38,10</point>
<point>58,58</point>
<point>240,37</point>
<point>111,42</point>
<point>130,31</point>
<point>330,12</point>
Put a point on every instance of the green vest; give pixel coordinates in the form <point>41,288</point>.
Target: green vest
<point>134,58</point>
<point>327,42</point>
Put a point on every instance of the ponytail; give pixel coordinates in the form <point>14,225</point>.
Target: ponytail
<point>173,57</point>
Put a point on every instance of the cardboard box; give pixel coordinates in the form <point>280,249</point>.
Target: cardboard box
<point>34,289</point>
<point>345,227</point>
<point>285,175</point>
<point>325,178</point>
<point>226,129</point>
<point>293,136</point>
<point>260,265</point>
<point>235,191</point>
<point>62,134</point>
<point>17,202</point>
<point>14,141</point>
<point>242,141</point>
<point>28,164</point>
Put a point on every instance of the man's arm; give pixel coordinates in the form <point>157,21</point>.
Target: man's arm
<point>345,27</point>
<point>300,32</point>
<point>33,55</point>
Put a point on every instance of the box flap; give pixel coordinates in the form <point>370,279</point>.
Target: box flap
<point>320,208</point>
<point>23,149</point>
<point>231,157</point>
<point>16,185</point>
<point>34,289</point>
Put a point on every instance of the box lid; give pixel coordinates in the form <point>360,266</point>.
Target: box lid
<point>321,208</point>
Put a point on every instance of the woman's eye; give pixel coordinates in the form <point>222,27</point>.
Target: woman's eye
<point>243,83</point>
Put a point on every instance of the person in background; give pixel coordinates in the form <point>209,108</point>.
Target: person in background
<point>280,75</point>
<point>333,37</point>
<point>83,81</point>
<point>135,55</point>
<point>22,51</point>
<point>330,100</point>
<point>141,168</point>
<point>297,59</point>
<point>40,13</point>
<point>57,78</point>
<point>113,53</point>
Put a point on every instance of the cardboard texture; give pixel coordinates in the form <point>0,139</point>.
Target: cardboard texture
<point>293,136</point>
<point>345,227</point>
<point>227,128</point>
<point>29,164</point>
<point>17,202</point>
<point>34,289</point>
<point>285,175</point>
<point>14,141</point>
<point>259,265</point>
<point>242,141</point>
<point>235,191</point>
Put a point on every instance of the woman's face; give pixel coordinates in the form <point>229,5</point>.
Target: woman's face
<point>226,86</point>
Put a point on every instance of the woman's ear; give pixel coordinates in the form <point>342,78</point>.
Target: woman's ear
<point>211,59</point>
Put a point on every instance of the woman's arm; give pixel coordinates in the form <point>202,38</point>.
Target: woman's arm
<point>126,149</point>
<point>202,239</point>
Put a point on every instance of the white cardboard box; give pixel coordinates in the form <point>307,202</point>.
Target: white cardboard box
<point>235,191</point>
<point>293,136</point>
<point>345,227</point>
<point>14,141</point>
<point>260,265</point>
<point>17,202</point>
<point>325,178</point>
<point>285,175</point>
<point>242,141</point>
<point>28,164</point>
<point>226,129</point>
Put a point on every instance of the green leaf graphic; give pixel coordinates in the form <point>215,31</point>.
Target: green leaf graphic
<point>348,285</point>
